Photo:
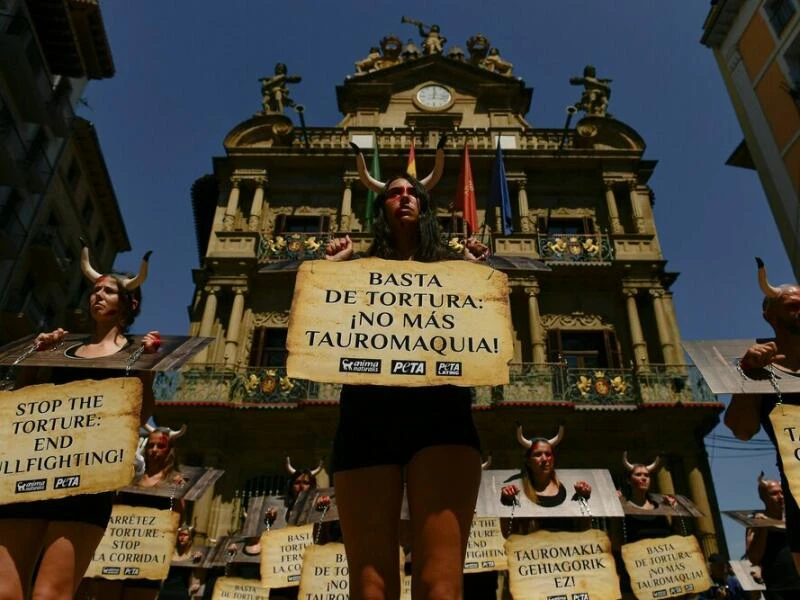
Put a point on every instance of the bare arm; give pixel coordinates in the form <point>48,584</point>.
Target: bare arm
<point>756,543</point>
<point>743,416</point>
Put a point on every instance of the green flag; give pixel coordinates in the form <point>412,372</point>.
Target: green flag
<point>375,171</point>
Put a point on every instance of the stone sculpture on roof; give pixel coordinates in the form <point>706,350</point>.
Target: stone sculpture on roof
<point>274,90</point>
<point>434,41</point>
<point>596,92</point>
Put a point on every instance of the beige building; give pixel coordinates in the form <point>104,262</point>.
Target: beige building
<point>597,346</point>
<point>54,185</point>
<point>756,44</point>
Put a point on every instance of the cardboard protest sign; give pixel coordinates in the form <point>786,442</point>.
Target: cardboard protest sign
<point>61,440</point>
<point>374,321</point>
<point>485,546</point>
<point>237,588</point>
<point>282,555</point>
<point>548,564</point>
<point>325,573</point>
<point>785,420</point>
<point>173,353</point>
<point>666,567</point>
<point>138,544</point>
<point>405,587</point>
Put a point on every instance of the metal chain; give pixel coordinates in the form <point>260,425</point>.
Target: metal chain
<point>132,359</point>
<point>229,560</point>
<point>174,490</point>
<point>511,518</point>
<point>772,379</point>
<point>319,527</point>
<point>683,526</point>
<point>624,531</point>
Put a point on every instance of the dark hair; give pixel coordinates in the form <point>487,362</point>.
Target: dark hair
<point>312,479</point>
<point>430,246</point>
<point>126,299</point>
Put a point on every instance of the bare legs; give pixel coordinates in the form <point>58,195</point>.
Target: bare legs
<point>442,489</point>
<point>369,502</point>
<point>66,549</point>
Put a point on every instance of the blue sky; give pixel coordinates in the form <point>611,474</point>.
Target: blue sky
<point>187,73</point>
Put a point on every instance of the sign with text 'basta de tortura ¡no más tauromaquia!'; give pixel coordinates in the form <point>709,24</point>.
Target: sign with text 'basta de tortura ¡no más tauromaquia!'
<point>62,440</point>
<point>406,323</point>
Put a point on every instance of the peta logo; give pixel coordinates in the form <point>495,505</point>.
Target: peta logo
<point>31,485</point>
<point>131,570</point>
<point>359,365</point>
<point>408,367</point>
<point>448,369</point>
<point>70,481</point>
<point>580,596</point>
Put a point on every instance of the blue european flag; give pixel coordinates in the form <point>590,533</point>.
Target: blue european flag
<point>499,191</point>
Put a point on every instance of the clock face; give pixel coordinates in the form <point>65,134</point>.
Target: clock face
<point>434,96</point>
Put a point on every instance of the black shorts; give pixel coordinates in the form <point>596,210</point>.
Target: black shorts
<point>381,425</point>
<point>93,509</point>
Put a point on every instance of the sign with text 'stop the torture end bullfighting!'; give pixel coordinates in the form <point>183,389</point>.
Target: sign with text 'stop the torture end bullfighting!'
<point>62,440</point>
<point>405,323</point>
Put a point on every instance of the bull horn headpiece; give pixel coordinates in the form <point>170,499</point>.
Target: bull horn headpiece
<point>762,483</point>
<point>770,291</point>
<point>173,435</point>
<point>314,472</point>
<point>129,283</point>
<point>487,463</point>
<point>428,182</point>
<point>629,466</point>
<point>289,468</point>
<point>526,443</point>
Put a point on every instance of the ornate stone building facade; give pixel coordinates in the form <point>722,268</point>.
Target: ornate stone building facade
<point>54,185</point>
<point>756,44</point>
<point>597,345</point>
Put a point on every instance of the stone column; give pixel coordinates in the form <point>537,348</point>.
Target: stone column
<point>207,322</point>
<point>637,338</point>
<point>233,205</point>
<point>664,477</point>
<point>699,495</point>
<point>662,324</point>
<point>346,213</point>
<point>638,218</point>
<point>613,212</point>
<point>234,324</point>
<point>535,323</point>
<point>258,204</point>
<point>669,311</point>
<point>525,224</point>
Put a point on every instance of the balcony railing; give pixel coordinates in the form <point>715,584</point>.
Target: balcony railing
<point>216,383</point>
<point>293,246</point>
<point>400,138</point>
<point>529,383</point>
<point>575,248</point>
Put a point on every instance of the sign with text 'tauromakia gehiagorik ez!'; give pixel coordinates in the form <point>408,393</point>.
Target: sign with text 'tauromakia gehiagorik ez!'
<point>62,440</point>
<point>406,323</point>
<point>560,564</point>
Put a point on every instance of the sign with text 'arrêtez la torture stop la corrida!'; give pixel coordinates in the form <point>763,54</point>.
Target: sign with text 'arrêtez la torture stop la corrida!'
<point>405,323</point>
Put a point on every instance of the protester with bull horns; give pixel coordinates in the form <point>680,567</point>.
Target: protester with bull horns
<point>747,413</point>
<point>768,546</point>
<point>643,526</point>
<point>60,536</point>
<point>159,456</point>
<point>539,479</point>
<point>385,431</point>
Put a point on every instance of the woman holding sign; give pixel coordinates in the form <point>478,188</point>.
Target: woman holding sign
<point>384,430</point>
<point>61,535</point>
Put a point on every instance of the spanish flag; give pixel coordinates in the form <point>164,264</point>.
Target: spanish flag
<point>411,169</point>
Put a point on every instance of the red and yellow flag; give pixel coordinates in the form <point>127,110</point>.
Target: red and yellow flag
<point>411,169</point>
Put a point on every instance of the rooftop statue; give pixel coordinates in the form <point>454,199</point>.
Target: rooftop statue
<point>596,92</point>
<point>275,91</point>
<point>434,41</point>
<point>494,62</point>
<point>456,53</point>
<point>478,46</point>
<point>411,51</point>
<point>379,58</point>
